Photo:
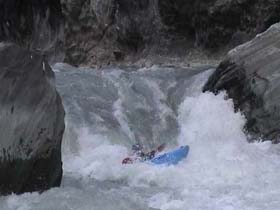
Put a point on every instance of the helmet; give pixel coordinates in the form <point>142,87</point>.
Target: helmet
<point>136,147</point>
<point>127,161</point>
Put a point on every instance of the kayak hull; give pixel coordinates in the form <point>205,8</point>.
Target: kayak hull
<point>171,158</point>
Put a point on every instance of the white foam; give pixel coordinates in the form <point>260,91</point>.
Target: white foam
<point>222,170</point>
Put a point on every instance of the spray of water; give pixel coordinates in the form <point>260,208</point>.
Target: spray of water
<point>222,170</point>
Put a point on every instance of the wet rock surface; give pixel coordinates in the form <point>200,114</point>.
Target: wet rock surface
<point>95,29</point>
<point>37,25</point>
<point>216,23</point>
<point>250,74</point>
<point>139,28</point>
<point>31,122</point>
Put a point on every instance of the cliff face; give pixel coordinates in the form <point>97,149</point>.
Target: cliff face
<point>36,25</point>
<point>99,32</point>
<point>250,74</point>
<point>215,23</point>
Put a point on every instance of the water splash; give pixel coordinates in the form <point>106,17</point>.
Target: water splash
<point>222,170</point>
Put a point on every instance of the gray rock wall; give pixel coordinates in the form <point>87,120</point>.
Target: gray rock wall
<point>100,32</point>
<point>31,122</point>
<point>216,23</point>
<point>250,74</point>
<point>37,25</point>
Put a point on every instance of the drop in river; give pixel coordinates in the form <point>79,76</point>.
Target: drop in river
<point>109,110</point>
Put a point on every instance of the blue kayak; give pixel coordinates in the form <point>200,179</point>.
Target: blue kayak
<point>173,157</point>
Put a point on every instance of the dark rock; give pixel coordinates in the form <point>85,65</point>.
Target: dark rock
<point>215,22</point>
<point>95,28</point>
<point>31,122</point>
<point>35,24</point>
<point>178,15</point>
<point>250,74</point>
<point>119,56</point>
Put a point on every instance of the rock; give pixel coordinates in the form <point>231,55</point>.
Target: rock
<point>250,75</point>
<point>139,28</point>
<point>96,28</point>
<point>178,15</point>
<point>119,56</point>
<point>35,24</point>
<point>31,122</point>
<point>215,22</point>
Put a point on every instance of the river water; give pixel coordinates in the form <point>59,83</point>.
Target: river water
<point>109,110</point>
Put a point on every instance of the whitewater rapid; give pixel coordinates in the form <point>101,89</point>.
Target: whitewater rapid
<point>109,110</point>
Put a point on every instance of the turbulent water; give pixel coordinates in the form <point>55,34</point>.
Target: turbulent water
<point>109,110</point>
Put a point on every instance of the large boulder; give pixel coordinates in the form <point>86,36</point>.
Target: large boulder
<point>34,24</point>
<point>31,122</point>
<point>250,75</point>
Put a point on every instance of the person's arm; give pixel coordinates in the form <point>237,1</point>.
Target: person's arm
<point>161,147</point>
